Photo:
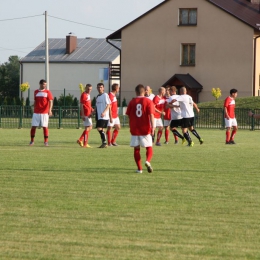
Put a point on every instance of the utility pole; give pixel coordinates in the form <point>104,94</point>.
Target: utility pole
<point>46,52</point>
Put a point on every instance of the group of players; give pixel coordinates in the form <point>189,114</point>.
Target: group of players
<point>145,113</point>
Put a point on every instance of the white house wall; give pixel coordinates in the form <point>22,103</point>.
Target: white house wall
<point>224,50</point>
<point>64,76</point>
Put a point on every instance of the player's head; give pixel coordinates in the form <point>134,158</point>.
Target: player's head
<point>183,90</point>
<point>115,87</point>
<point>173,90</point>
<point>147,91</point>
<point>161,91</point>
<point>139,90</point>
<point>167,91</point>
<point>88,88</point>
<point>100,88</point>
<point>233,92</point>
<point>43,84</point>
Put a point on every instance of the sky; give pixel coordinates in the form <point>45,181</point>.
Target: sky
<point>22,22</point>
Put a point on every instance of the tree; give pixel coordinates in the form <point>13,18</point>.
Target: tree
<point>9,77</point>
<point>216,92</point>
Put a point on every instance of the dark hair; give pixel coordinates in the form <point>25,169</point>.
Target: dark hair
<point>114,86</point>
<point>42,81</point>
<point>100,84</point>
<point>139,89</point>
<point>233,90</point>
<point>88,85</point>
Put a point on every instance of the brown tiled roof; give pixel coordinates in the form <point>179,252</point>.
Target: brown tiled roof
<point>241,9</point>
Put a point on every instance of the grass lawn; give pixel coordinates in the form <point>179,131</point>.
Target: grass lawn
<point>65,202</point>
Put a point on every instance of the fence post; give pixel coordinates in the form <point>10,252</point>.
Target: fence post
<point>21,117</point>
<point>59,117</point>
<point>78,116</point>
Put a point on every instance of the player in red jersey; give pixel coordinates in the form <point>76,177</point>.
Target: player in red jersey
<point>43,102</point>
<point>230,118</point>
<point>114,112</point>
<point>159,101</point>
<point>86,111</point>
<point>140,111</point>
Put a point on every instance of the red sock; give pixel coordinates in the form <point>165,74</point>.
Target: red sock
<point>46,134</point>
<point>33,130</point>
<point>166,134</point>
<point>137,157</point>
<point>159,134</point>
<point>82,136</point>
<point>149,153</point>
<point>114,136</point>
<point>227,136</point>
<point>233,135</point>
<point>108,137</point>
<point>85,137</point>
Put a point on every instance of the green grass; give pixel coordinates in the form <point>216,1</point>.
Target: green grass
<point>66,202</point>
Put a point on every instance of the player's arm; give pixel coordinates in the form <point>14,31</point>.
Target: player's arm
<point>152,123</point>
<point>82,112</point>
<point>50,107</point>
<point>226,113</point>
<point>106,109</point>
<point>196,107</point>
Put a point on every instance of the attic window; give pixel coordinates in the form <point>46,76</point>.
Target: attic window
<point>188,16</point>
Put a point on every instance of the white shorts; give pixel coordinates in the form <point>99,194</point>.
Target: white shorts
<point>166,122</point>
<point>158,122</point>
<point>116,121</point>
<point>230,122</point>
<point>40,120</point>
<point>142,140</point>
<point>87,122</point>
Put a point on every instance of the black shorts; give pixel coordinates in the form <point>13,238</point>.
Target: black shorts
<point>187,122</point>
<point>101,123</point>
<point>175,123</point>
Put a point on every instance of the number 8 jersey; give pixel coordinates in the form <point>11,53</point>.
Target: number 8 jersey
<point>139,110</point>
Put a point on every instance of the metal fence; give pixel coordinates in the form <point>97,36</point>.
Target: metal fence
<point>69,117</point>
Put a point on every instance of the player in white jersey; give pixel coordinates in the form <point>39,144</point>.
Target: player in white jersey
<point>148,93</point>
<point>186,105</point>
<point>176,118</point>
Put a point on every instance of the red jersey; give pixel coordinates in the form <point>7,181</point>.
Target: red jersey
<point>113,104</point>
<point>167,110</point>
<point>85,100</point>
<point>42,99</point>
<point>139,110</point>
<point>230,105</point>
<point>159,105</point>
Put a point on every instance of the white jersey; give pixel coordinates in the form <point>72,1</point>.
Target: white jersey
<point>101,103</point>
<point>151,96</point>
<point>175,111</point>
<point>186,106</point>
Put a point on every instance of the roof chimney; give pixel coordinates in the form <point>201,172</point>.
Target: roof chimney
<point>71,43</point>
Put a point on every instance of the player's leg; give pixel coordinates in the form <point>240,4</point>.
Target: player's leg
<point>135,143</point>
<point>234,131</point>
<point>35,122</point>
<point>176,133</point>
<point>194,132</point>
<point>146,141</point>
<point>116,131</point>
<point>88,127</point>
<point>44,123</point>
<point>101,124</point>
<point>159,125</point>
<point>108,133</point>
<point>166,134</point>
<point>228,130</point>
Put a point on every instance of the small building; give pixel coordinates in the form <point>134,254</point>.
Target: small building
<point>72,61</point>
<point>200,44</point>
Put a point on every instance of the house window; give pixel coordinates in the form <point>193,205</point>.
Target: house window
<point>188,16</point>
<point>188,54</point>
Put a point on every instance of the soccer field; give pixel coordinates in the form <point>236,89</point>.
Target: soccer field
<point>67,202</point>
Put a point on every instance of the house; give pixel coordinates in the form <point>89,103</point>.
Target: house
<point>200,44</point>
<point>72,61</point>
